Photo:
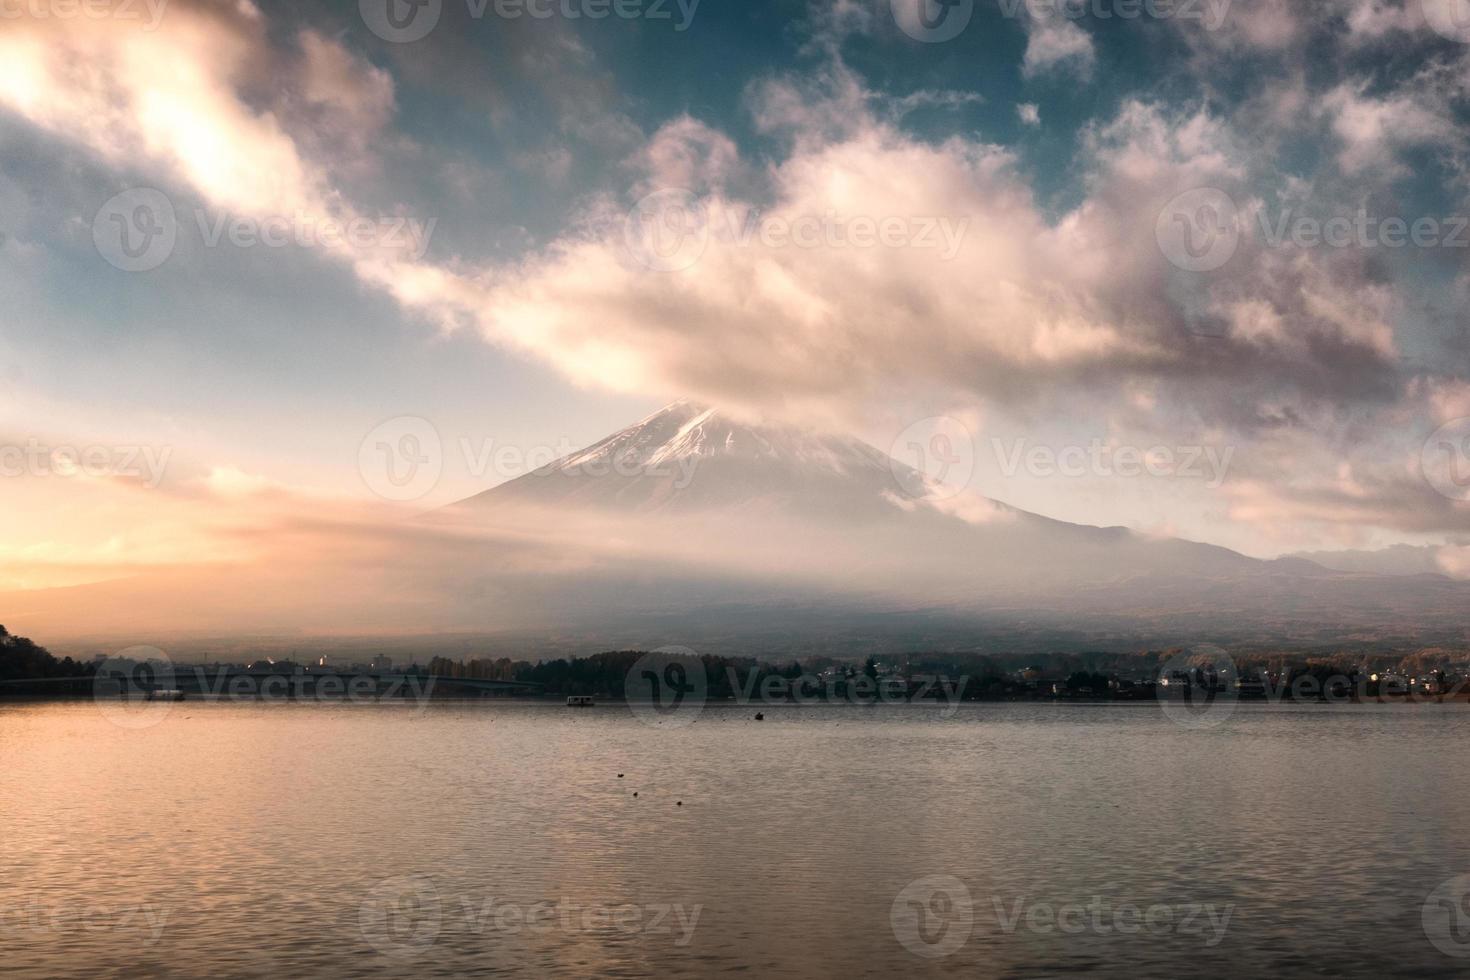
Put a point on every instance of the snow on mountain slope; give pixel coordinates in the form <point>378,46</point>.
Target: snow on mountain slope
<point>688,458</point>
<point>686,461</point>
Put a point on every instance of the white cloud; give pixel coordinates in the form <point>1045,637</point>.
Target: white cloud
<point>1373,131</point>
<point>1004,304</point>
<point>1055,42</point>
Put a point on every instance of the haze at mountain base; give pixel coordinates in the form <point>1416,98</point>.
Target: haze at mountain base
<point>694,527</point>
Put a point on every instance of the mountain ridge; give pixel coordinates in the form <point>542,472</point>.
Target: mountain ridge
<point>811,474</point>
<point>690,457</point>
<point>748,538</point>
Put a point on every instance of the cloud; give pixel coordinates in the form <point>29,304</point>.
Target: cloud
<point>688,154</point>
<point>1374,131</point>
<point>1054,42</point>
<point>1454,561</point>
<point>1259,24</point>
<point>931,272</point>
<point>167,95</point>
<point>1370,20</point>
<point>984,295</point>
<point>174,101</point>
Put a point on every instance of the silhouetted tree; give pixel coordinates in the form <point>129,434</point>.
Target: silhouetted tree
<point>22,659</point>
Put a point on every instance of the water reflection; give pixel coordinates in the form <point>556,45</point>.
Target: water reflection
<point>1018,840</point>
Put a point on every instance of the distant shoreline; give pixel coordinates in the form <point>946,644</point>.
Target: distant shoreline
<point>558,700</point>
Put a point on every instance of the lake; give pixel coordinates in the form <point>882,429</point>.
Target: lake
<point>496,838</point>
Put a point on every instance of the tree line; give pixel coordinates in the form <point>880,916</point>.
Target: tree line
<point>22,659</point>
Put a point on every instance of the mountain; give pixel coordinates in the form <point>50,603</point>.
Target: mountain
<point>699,528</point>
<point>686,461</point>
<point>1401,559</point>
<point>804,531</point>
<point>689,458</point>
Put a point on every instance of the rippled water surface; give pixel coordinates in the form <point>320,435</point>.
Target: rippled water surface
<point>496,838</point>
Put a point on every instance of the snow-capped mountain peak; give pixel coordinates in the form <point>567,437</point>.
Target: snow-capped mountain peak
<point>690,457</point>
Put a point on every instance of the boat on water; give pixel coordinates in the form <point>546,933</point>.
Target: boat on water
<point>580,701</point>
<point>169,695</point>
